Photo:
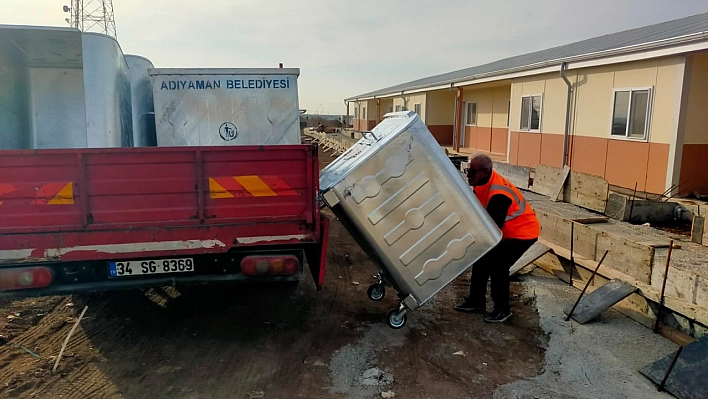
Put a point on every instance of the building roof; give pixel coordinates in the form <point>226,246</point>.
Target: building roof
<point>691,28</point>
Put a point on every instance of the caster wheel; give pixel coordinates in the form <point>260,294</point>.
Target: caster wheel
<point>376,292</point>
<point>395,319</point>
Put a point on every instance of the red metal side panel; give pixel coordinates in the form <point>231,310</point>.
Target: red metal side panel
<point>98,203</point>
<point>259,185</point>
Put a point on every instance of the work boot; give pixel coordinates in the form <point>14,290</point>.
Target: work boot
<point>468,306</point>
<point>498,316</point>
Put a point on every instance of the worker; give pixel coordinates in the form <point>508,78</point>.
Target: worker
<point>520,229</point>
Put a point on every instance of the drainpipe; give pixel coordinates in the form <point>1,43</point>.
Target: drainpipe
<point>566,136</point>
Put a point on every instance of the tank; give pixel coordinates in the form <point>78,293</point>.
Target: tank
<point>142,102</point>
<point>60,88</point>
<point>217,107</point>
<point>403,200</point>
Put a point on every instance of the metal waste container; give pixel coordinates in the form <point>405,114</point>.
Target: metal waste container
<point>408,207</point>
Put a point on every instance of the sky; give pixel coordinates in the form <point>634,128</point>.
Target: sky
<point>344,48</point>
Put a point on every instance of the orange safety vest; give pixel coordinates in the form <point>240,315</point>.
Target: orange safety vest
<point>521,222</point>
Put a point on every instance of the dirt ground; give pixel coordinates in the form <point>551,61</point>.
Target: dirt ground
<point>244,341</point>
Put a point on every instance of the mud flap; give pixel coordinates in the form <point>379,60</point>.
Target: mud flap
<point>317,254</point>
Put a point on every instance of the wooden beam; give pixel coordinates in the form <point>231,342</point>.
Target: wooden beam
<point>587,191</point>
<point>557,191</point>
<point>689,310</point>
<point>627,256</point>
<point>698,230</point>
<point>545,180</point>
<point>520,176</point>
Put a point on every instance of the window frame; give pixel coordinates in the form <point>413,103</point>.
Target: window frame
<point>647,124</point>
<point>467,113</point>
<point>540,116</point>
<point>398,108</point>
<point>363,113</point>
<point>420,107</point>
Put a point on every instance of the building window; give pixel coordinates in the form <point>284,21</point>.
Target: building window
<point>363,113</point>
<point>398,108</point>
<point>630,115</point>
<point>471,114</point>
<point>390,109</point>
<point>356,113</point>
<point>531,113</point>
<point>416,108</point>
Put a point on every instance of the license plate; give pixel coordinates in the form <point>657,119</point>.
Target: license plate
<point>146,267</point>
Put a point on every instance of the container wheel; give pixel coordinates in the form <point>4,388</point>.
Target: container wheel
<point>395,319</point>
<point>376,292</point>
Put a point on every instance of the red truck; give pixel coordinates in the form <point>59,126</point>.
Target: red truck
<point>97,219</point>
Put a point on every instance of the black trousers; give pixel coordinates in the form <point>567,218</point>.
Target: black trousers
<point>496,264</point>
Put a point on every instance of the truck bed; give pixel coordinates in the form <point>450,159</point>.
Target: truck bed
<point>89,205</point>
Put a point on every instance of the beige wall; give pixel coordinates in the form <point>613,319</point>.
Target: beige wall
<point>553,91</point>
<point>386,103</point>
<point>594,97</point>
<point>492,105</point>
<point>697,107</point>
<point>409,102</point>
<point>440,108</point>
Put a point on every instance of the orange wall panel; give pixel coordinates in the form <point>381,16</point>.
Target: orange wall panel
<point>627,163</point>
<point>552,150</point>
<point>656,167</point>
<point>470,137</point>
<point>442,133</point>
<point>529,149</point>
<point>694,163</point>
<point>499,140</point>
<point>588,155</point>
<point>484,138</point>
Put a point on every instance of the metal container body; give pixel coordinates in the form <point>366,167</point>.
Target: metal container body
<point>142,101</point>
<point>216,107</point>
<point>409,206</point>
<point>41,88</point>
<point>60,88</point>
<point>109,121</point>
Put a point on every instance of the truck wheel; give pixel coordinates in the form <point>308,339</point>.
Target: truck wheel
<point>376,292</point>
<point>395,319</point>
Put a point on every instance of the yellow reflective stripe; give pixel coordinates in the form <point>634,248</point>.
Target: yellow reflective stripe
<point>65,196</point>
<point>217,191</point>
<point>521,203</point>
<point>255,186</point>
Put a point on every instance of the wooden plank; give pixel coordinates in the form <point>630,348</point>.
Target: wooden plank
<point>603,298</point>
<point>536,251</point>
<point>557,193</point>
<point>545,180</point>
<point>660,244</point>
<point>520,176</point>
<point>592,220</point>
<point>626,256</point>
<point>698,229</point>
<point>587,191</point>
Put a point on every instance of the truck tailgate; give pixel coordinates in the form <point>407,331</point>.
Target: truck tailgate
<point>108,203</point>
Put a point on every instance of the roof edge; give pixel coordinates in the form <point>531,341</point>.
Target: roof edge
<point>664,43</point>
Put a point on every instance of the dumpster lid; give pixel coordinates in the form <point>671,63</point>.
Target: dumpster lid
<point>393,124</point>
